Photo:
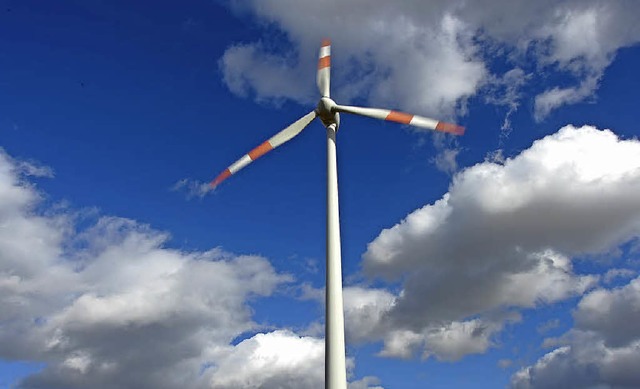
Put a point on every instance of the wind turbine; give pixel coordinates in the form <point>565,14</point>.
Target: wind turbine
<point>329,113</point>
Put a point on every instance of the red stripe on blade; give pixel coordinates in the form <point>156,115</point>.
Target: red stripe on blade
<point>326,42</point>
<point>450,128</point>
<point>324,62</point>
<point>399,117</point>
<point>223,176</point>
<point>259,151</point>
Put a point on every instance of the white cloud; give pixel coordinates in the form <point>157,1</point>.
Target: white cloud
<point>110,305</point>
<point>457,339</point>
<point>504,363</point>
<point>135,314</point>
<point>548,326</point>
<point>272,79</point>
<point>14,192</point>
<point>583,39</point>
<point>365,383</point>
<point>32,281</point>
<point>401,344</point>
<point>584,35</point>
<point>446,162</point>
<point>31,168</point>
<point>429,57</point>
<point>364,309</point>
<point>446,342</point>
<point>278,359</point>
<point>556,97</point>
<point>439,58</point>
<point>613,274</point>
<point>506,91</point>
<point>597,309</point>
<point>502,238</point>
<point>603,350</point>
<point>192,188</point>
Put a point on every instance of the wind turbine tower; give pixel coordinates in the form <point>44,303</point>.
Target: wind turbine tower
<point>329,114</point>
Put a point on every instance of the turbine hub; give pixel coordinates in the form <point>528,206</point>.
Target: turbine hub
<point>326,112</point>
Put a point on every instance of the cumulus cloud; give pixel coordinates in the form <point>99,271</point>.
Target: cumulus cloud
<point>603,350</point>
<point>502,239</point>
<point>365,383</point>
<point>111,306</point>
<point>447,342</point>
<point>278,359</point>
<point>126,312</point>
<point>597,308</point>
<point>439,58</point>
<point>273,79</point>
<point>364,309</point>
<point>430,57</point>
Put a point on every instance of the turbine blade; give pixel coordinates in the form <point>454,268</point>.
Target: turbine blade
<point>278,139</point>
<point>404,118</point>
<point>324,68</point>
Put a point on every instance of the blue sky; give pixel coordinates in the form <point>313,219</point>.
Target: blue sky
<point>506,257</point>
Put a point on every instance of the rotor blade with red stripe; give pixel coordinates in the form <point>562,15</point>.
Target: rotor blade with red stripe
<point>324,68</point>
<point>282,137</point>
<point>404,118</point>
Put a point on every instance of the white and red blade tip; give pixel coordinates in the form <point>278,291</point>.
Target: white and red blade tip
<point>254,154</point>
<point>278,139</point>
<point>323,78</point>
<point>419,121</point>
<point>324,60</point>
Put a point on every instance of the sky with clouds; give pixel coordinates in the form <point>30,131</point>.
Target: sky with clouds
<point>508,257</point>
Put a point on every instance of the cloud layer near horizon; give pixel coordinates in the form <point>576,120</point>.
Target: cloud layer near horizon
<point>429,57</point>
<point>110,306</point>
<point>101,305</point>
